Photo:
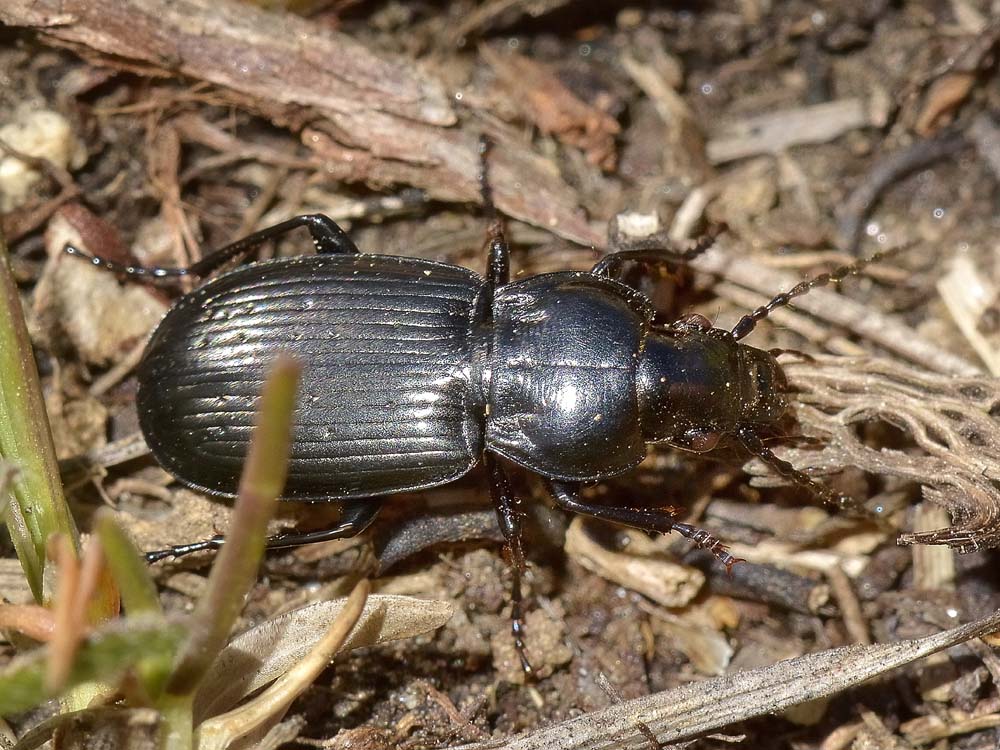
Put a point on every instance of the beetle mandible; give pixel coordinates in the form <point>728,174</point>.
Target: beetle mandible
<point>415,370</point>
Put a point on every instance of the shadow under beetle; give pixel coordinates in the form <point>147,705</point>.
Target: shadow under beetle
<point>414,370</point>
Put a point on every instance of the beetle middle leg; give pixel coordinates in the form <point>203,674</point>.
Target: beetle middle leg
<point>356,516</point>
<point>509,518</point>
<point>567,497</point>
<point>327,237</point>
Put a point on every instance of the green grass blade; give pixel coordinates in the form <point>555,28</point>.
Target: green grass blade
<point>235,568</point>
<point>129,570</point>
<point>35,507</point>
<point>146,645</point>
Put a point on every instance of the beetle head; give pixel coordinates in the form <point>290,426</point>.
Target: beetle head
<point>763,386</point>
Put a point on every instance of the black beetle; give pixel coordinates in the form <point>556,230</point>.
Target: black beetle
<point>413,370</point>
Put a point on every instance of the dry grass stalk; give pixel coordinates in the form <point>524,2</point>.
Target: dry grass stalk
<point>697,709</point>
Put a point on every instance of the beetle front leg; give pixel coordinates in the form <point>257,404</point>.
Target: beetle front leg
<point>504,501</point>
<point>327,237</point>
<point>567,497</point>
<point>356,516</point>
<point>654,249</point>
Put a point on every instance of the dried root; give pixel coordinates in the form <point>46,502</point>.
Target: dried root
<point>954,424</point>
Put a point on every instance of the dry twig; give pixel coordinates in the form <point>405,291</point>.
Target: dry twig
<point>699,708</point>
<point>371,119</point>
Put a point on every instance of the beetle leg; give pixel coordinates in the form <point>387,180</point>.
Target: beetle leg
<point>327,236</point>
<point>498,272</point>
<point>567,497</point>
<point>357,515</point>
<point>654,249</point>
<point>498,267</point>
<point>180,550</point>
<point>509,517</point>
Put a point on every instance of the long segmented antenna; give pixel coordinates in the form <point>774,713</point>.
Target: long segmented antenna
<point>748,322</point>
<point>752,442</point>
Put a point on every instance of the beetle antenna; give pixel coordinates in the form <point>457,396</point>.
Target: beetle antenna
<point>748,322</point>
<point>752,442</point>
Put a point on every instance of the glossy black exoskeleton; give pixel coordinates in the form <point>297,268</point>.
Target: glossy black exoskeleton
<point>413,371</point>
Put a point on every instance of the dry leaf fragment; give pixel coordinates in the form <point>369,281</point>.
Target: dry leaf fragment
<point>261,655</point>
<point>555,109</point>
<point>221,732</point>
<point>969,294</point>
<point>943,98</point>
<point>772,132</point>
<point>696,634</point>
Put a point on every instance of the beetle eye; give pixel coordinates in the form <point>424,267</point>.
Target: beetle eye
<point>700,441</point>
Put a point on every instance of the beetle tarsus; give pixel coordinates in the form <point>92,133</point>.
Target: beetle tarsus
<point>150,274</point>
<point>705,540</point>
<point>517,628</point>
<point>180,550</point>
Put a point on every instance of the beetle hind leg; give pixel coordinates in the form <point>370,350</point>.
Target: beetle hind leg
<point>327,236</point>
<point>357,515</point>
